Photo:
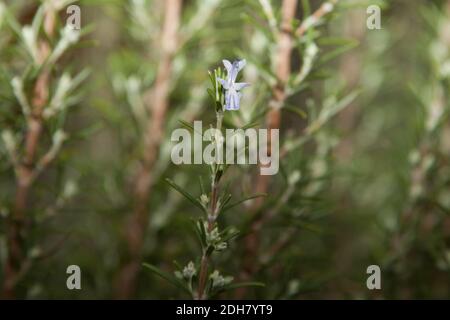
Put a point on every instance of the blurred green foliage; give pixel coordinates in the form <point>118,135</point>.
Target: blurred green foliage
<point>364,180</point>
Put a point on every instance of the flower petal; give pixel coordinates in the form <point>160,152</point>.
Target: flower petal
<point>241,64</point>
<point>224,83</point>
<point>240,85</point>
<point>235,103</point>
<point>227,65</point>
<point>227,101</point>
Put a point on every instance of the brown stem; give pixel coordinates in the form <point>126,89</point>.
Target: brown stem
<point>211,221</point>
<point>17,224</point>
<point>283,70</point>
<point>157,103</point>
<point>316,16</point>
<point>202,278</point>
<point>205,259</point>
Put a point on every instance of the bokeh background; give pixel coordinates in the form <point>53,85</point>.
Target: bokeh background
<point>364,178</point>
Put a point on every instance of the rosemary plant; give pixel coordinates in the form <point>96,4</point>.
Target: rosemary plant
<point>198,278</point>
<point>41,94</point>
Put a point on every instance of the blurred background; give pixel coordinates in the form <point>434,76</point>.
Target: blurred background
<point>364,133</point>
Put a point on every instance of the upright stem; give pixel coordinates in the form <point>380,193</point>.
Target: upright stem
<point>212,216</point>
<point>26,167</point>
<point>157,101</point>
<point>202,278</point>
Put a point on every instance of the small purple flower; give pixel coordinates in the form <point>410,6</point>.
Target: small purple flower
<point>232,88</point>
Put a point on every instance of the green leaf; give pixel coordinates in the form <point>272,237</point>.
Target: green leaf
<point>306,8</point>
<point>302,114</point>
<point>168,277</point>
<point>177,265</point>
<point>229,235</point>
<point>250,125</point>
<point>211,94</point>
<point>13,23</point>
<point>243,200</point>
<point>187,125</point>
<point>202,187</point>
<point>37,20</point>
<point>88,131</point>
<point>224,201</point>
<point>336,52</point>
<point>331,110</point>
<point>201,232</point>
<point>185,194</point>
<point>211,77</point>
<point>308,226</point>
